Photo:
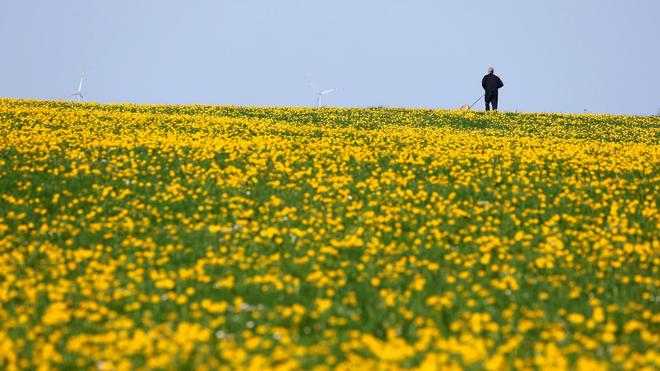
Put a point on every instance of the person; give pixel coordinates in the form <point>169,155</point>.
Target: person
<point>491,84</point>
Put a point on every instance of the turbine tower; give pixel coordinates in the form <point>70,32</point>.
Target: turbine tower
<point>319,93</point>
<point>78,93</point>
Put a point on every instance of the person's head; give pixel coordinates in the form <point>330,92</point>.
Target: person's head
<point>491,70</point>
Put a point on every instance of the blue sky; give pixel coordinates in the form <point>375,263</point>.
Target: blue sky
<point>553,56</point>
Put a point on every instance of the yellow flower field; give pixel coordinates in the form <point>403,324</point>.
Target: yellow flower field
<point>200,237</point>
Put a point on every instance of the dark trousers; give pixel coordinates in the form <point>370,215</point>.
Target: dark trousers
<point>491,99</point>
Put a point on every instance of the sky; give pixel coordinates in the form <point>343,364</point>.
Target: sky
<point>602,56</point>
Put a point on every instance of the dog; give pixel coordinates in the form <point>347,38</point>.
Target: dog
<point>464,107</point>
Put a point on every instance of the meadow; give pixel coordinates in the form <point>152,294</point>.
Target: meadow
<point>202,237</point>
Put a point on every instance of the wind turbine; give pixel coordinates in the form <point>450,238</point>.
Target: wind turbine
<point>319,93</point>
<point>78,93</point>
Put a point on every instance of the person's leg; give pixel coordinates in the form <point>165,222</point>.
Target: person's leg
<point>494,100</point>
<point>487,100</point>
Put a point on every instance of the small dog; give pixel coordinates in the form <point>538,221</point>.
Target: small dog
<point>464,107</point>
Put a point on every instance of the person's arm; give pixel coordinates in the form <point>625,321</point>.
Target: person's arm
<point>499,83</point>
<point>483,82</point>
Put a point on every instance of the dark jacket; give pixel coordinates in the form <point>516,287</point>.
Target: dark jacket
<point>491,83</point>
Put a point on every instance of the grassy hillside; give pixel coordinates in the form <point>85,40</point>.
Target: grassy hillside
<point>136,236</point>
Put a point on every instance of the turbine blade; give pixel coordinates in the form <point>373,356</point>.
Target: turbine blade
<point>327,91</point>
<point>311,84</point>
<point>82,77</point>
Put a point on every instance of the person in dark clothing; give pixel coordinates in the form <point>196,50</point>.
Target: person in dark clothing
<point>491,83</point>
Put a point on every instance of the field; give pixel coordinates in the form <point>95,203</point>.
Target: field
<point>199,237</point>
